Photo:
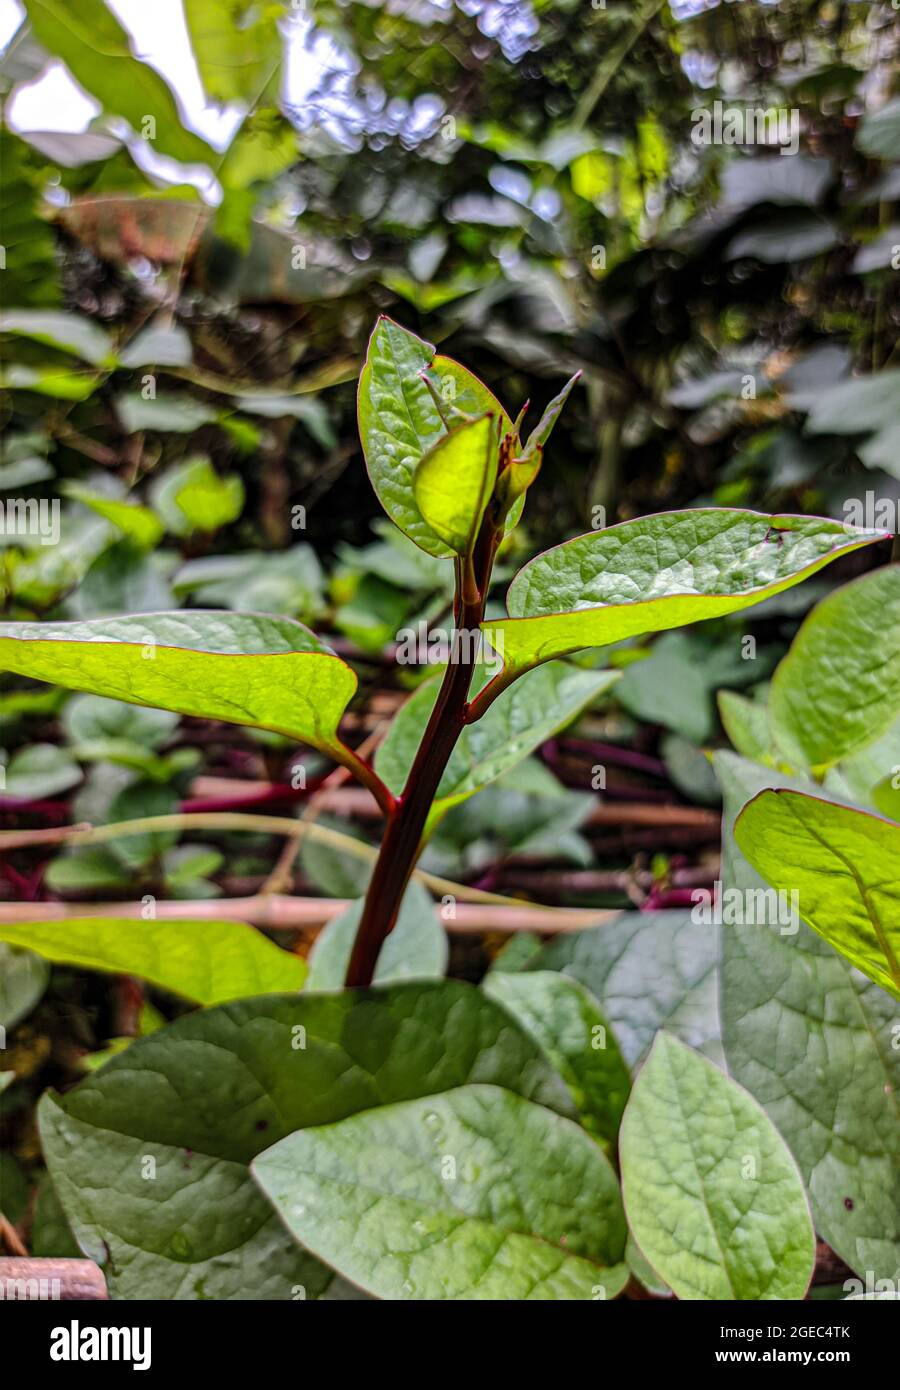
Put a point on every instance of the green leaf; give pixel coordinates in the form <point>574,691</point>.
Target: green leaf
<point>72,333</point>
<point>647,970</point>
<point>158,346</point>
<point>416,948</point>
<point>746,722</point>
<point>879,132</point>
<point>332,869</point>
<point>542,431</point>
<point>50,381</point>
<point>669,687</point>
<point>812,1039</point>
<point>474,1194</point>
<point>237,48</point>
<point>661,572</point>
<point>39,770</point>
<point>203,1096</point>
<point>194,497</point>
<point>122,579</point>
<point>845,866</point>
<point>88,868</point>
<point>856,405</point>
<point>398,424</point>
<point>453,482</point>
<point>89,717</point>
<point>886,795</point>
<point>714,1198</point>
<point>644,1272</point>
<point>838,688</point>
<point>690,770</point>
<point>794,237</point>
<point>178,414</point>
<point>136,522</point>
<point>96,50</point>
<point>51,1237</point>
<point>517,723</point>
<point>23,979</point>
<point>269,673</point>
<point>399,421</point>
<point>568,1026</point>
<point>206,962</point>
<point>207,500</point>
<point>32,270</point>
<point>465,391</point>
<point>861,777</point>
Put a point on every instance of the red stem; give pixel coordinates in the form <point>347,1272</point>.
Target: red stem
<point>407,817</point>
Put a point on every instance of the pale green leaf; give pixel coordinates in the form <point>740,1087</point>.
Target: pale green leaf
<point>746,722</point>
<point>567,1024</point>
<point>857,405</point>
<point>473,1194</point>
<point>50,381</point>
<point>812,1039</point>
<point>879,132</point>
<point>203,1096</point>
<point>158,346</point>
<point>269,673</point>
<point>845,866</point>
<point>713,1196</point>
<point>661,572</point>
<point>206,962</point>
<point>39,770</point>
<point>23,979</point>
<point>838,688</point>
<point>519,721</point>
<point>453,482</point>
<point>72,333</point>
<point>647,970</point>
<point>179,414</point>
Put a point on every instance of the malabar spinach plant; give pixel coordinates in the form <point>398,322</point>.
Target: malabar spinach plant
<point>239,1151</point>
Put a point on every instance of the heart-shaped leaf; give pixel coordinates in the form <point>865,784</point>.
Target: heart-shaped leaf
<point>660,572</point>
<point>812,1039</point>
<point>539,705</point>
<point>269,673</point>
<point>568,1026</point>
<point>713,1195</point>
<point>647,970</point>
<point>838,688</point>
<point>206,962</point>
<point>149,1154</point>
<point>845,866</point>
<point>399,421</point>
<point>474,1194</point>
<point>453,482</point>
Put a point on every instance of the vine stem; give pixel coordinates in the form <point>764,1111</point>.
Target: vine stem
<point>406,820</point>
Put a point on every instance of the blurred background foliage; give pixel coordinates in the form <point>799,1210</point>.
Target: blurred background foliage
<point>182,327</point>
